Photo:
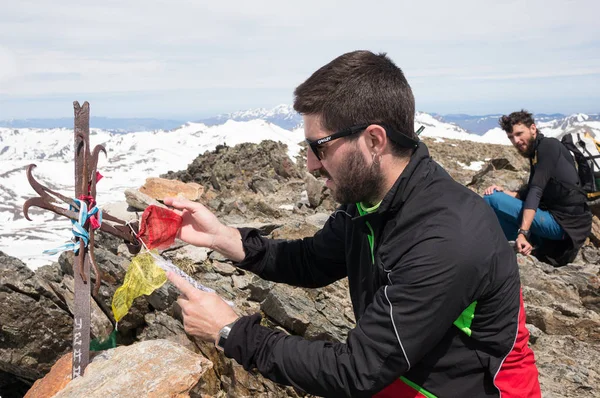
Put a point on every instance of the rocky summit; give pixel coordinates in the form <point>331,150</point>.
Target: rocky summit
<point>259,185</point>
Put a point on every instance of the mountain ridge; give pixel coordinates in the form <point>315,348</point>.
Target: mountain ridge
<point>282,115</point>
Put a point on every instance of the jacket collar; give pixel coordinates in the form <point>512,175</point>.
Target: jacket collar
<point>398,194</point>
<point>536,143</point>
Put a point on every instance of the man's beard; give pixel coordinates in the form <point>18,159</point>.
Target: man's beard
<point>528,152</point>
<point>357,181</point>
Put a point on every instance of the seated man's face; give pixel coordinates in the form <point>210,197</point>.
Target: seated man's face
<point>522,138</point>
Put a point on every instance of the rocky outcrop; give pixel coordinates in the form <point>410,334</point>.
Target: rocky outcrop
<point>564,318</point>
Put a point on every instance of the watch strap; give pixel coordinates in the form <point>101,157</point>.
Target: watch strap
<point>223,335</point>
<point>524,232</point>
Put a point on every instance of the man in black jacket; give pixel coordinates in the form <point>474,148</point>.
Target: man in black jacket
<point>434,286</point>
<point>550,212</point>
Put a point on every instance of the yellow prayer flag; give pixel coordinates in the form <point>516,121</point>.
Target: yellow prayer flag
<point>143,277</point>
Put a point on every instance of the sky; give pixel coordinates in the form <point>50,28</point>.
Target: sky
<point>188,59</point>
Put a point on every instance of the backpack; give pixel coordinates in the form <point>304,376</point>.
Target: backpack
<point>586,153</point>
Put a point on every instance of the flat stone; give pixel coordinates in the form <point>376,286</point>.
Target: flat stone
<point>223,268</point>
<point>139,200</point>
<point>190,252</point>
<point>240,281</point>
<point>121,210</point>
<point>155,368</point>
<point>160,188</point>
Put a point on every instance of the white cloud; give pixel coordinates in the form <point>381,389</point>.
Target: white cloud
<point>8,65</point>
<point>62,48</point>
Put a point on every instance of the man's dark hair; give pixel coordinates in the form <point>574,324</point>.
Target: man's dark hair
<point>522,116</point>
<point>357,88</point>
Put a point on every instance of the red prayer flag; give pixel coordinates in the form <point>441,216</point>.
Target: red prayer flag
<point>159,227</point>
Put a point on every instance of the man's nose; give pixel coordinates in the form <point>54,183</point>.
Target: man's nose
<point>312,163</point>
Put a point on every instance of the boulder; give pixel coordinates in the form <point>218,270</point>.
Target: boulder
<point>57,379</point>
<point>34,329</point>
<point>156,368</point>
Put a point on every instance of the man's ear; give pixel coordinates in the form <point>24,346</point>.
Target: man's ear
<point>375,138</point>
<point>533,130</point>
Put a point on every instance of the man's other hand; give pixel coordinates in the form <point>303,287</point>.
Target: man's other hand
<point>490,190</point>
<point>523,246</point>
<point>204,314</point>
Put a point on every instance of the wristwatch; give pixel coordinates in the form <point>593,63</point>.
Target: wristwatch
<point>223,334</point>
<point>524,232</point>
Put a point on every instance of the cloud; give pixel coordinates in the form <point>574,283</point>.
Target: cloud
<point>60,48</point>
<point>568,72</point>
<point>8,65</point>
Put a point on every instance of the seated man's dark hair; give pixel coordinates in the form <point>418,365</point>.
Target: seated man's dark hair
<point>522,117</point>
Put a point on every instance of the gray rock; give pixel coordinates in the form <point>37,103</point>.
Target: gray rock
<point>216,256</point>
<point>262,186</point>
<point>534,333</point>
<point>259,288</point>
<point>590,254</point>
<point>34,330</point>
<point>190,252</point>
<point>318,219</point>
<point>122,210</point>
<point>264,228</point>
<point>290,307</point>
<point>240,281</point>
<point>314,190</point>
<point>139,200</point>
<point>223,268</point>
<point>100,325</point>
<point>163,297</point>
<point>160,325</point>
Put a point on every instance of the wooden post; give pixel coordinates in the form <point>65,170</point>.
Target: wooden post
<point>81,312</point>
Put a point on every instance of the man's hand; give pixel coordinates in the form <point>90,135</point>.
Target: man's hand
<point>200,227</point>
<point>204,314</point>
<point>490,190</point>
<point>522,245</point>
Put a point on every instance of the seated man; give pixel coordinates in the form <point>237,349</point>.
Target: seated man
<point>547,212</point>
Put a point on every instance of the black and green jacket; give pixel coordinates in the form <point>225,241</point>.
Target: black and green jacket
<point>434,286</point>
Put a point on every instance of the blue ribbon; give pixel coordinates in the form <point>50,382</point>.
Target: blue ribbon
<point>78,229</point>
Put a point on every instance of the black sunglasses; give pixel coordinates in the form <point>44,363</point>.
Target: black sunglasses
<point>399,138</point>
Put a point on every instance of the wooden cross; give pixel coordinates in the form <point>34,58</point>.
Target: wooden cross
<point>86,162</point>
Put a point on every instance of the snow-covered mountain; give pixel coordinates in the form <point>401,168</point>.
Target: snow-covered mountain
<point>553,128</point>
<point>132,157</point>
<point>482,124</point>
<point>282,115</point>
<point>124,125</point>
